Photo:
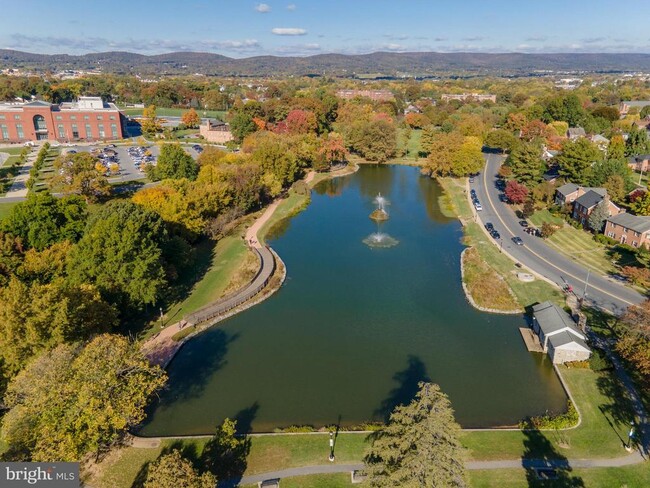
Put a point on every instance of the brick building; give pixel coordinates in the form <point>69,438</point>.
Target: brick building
<point>464,97</point>
<point>88,119</point>
<point>633,230</point>
<point>216,131</point>
<point>375,95</point>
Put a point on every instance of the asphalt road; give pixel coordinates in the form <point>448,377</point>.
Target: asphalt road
<point>602,292</point>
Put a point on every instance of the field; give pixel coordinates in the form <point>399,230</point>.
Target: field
<point>175,112</point>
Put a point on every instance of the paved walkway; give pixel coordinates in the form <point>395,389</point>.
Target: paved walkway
<point>19,186</point>
<point>161,348</point>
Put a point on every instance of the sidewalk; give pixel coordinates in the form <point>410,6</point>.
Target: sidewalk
<point>19,186</point>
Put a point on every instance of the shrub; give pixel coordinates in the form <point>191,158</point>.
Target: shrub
<point>561,421</point>
<point>603,239</point>
<point>295,429</point>
<point>599,361</point>
<point>547,230</point>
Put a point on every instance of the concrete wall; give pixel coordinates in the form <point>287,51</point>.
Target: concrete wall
<point>559,356</point>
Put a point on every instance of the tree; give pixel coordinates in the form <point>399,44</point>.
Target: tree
<point>615,186</point>
<point>174,471</point>
<point>332,150</point>
<point>420,445</point>
<point>121,253</point>
<point>301,122</point>
<point>37,317</point>
<point>150,123</point>
<point>634,340</point>
<point>78,399</point>
<point>576,159</point>
<point>547,230</point>
<point>641,204</point>
<point>616,148</point>
<point>77,174</point>
<point>279,164</point>
<point>42,220</point>
<point>516,192</point>
<point>416,120</point>
<point>175,163</point>
<point>241,125</point>
<point>469,158</point>
<point>637,142</point>
<point>645,112</point>
<point>598,215</point>
<point>535,129</point>
<point>375,140</point>
<point>442,150</point>
<point>225,454</point>
<point>526,163</point>
<point>501,139</point>
<point>191,119</point>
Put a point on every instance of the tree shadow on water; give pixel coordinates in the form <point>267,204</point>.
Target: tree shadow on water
<point>545,466</point>
<point>407,387</point>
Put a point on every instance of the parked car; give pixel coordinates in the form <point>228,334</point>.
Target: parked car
<point>472,192</point>
<point>495,234</point>
<point>471,179</point>
<point>518,241</point>
<point>523,223</point>
<point>503,197</point>
<point>489,226</point>
<point>478,206</point>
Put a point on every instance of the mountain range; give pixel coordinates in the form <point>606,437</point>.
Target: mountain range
<point>385,63</point>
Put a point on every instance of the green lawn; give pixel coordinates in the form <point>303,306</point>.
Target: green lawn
<point>454,203</point>
<point>541,216</point>
<point>600,402</point>
<point>413,145</point>
<point>225,259</point>
<point>5,208</point>
<point>289,207</point>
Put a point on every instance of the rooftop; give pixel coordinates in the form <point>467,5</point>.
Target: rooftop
<point>591,198</point>
<point>564,338</point>
<point>568,188</point>
<point>632,222</point>
<point>552,318</point>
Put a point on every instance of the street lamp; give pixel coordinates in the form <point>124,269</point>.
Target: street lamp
<point>501,245</point>
<point>630,436</point>
<point>161,318</point>
<point>331,457</point>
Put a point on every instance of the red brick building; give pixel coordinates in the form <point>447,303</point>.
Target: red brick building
<point>374,95</point>
<point>88,119</point>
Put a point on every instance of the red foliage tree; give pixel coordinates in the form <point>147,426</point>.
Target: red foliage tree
<point>534,129</point>
<point>416,121</point>
<point>301,122</point>
<point>516,192</point>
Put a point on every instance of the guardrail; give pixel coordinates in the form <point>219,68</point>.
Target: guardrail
<point>235,299</point>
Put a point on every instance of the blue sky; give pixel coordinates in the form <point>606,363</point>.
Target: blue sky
<point>239,28</point>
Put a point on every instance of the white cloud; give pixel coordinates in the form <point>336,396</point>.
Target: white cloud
<point>288,31</point>
<point>263,8</point>
<point>291,6</point>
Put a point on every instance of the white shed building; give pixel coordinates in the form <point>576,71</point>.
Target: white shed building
<point>558,334</point>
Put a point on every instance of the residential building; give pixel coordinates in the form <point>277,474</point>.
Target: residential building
<point>633,230</point>
<point>558,334</point>
<point>586,203</point>
<point>639,163</point>
<point>626,105</point>
<point>464,97</point>
<point>216,131</point>
<point>575,133</point>
<point>600,141</point>
<point>583,200</point>
<point>376,95</point>
<point>89,119</point>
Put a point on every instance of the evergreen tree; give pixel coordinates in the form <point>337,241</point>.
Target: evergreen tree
<point>419,447</point>
<point>526,163</point>
<point>598,215</point>
<point>175,163</point>
<point>637,142</point>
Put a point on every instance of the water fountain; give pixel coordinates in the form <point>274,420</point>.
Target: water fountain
<point>380,214</point>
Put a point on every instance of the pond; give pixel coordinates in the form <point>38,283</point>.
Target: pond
<point>354,328</point>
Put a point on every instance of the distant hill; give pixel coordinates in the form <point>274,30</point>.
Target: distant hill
<point>388,63</point>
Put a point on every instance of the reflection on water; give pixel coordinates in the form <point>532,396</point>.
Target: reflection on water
<point>353,330</point>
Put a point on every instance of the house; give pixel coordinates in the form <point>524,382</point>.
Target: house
<point>552,175</point>
<point>600,141</point>
<point>626,105</point>
<point>567,193</point>
<point>633,230</point>
<point>216,131</point>
<point>586,203</point>
<point>575,133</point>
<point>558,334</point>
<point>374,95</point>
<point>639,163</point>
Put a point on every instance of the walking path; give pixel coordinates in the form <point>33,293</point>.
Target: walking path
<point>19,186</point>
<point>161,348</point>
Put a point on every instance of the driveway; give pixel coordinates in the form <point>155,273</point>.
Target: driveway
<point>535,254</point>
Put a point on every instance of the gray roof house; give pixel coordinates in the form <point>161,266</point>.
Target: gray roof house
<point>576,133</point>
<point>558,334</point>
<point>567,193</point>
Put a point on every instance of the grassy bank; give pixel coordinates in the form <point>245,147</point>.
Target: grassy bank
<point>487,288</point>
<point>605,418</point>
<point>454,203</point>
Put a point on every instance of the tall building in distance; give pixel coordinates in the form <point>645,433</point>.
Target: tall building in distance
<point>87,119</point>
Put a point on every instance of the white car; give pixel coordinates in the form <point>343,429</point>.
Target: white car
<point>478,206</point>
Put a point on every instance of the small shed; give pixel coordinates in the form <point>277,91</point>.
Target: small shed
<point>558,334</point>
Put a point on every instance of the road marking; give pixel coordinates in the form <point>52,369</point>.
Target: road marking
<point>487,195</point>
